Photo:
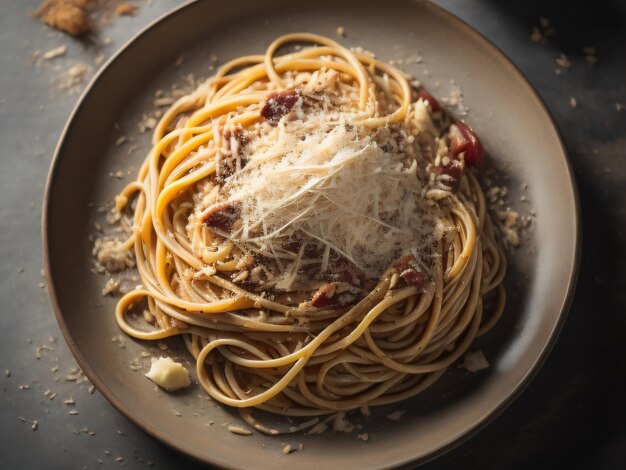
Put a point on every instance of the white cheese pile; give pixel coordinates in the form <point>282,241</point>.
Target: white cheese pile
<point>168,374</point>
<point>356,194</point>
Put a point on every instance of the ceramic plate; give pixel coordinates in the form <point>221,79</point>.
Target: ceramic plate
<point>522,144</point>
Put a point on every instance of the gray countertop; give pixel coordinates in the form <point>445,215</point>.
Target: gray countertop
<point>572,413</point>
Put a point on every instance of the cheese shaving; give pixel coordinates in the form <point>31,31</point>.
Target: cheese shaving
<point>345,188</point>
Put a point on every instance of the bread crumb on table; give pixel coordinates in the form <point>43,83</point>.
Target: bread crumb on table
<point>69,16</point>
<point>54,53</point>
<point>124,9</point>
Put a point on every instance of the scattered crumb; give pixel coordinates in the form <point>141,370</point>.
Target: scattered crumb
<point>363,436</point>
<point>590,55</point>
<point>91,389</point>
<point>341,424</point>
<point>572,102</point>
<point>74,76</point>
<point>42,285</point>
<point>475,361</point>
<point>510,225</point>
<point>619,107</point>
<point>24,387</point>
<point>120,140</point>
<point>540,33</point>
<point>365,411</point>
<point>535,35</point>
<point>111,256</point>
<point>35,425</point>
<point>7,373</point>
<point>73,377</point>
<point>69,401</point>
<point>112,287</point>
<point>124,9</point>
<point>40,349</point>
<point>73,412</point>
<point>69,16</point>
<point>54,53</point>
<point>239,430</point>
<point>22,419</point>
<point>319,428</point>
<point>396,415</point>
<point>563,61</point>
<point>341,31</point>
<point>288,449</point>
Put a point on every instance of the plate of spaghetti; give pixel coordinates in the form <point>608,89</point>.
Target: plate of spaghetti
<point>311,250</point>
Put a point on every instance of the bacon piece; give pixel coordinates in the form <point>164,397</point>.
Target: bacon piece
<point>414,278</point>
<point>228,158</point>
<point>464,140</point>
<point>407,268</point>
<point>419,92</point>
<point>279,104</point>
<point>221,216</point>
<point>323,295</point>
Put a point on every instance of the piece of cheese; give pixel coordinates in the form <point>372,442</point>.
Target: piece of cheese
<point>168,374</point>
<point>475,361</point>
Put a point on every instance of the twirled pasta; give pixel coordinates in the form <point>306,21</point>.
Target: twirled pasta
<point>288,358</point>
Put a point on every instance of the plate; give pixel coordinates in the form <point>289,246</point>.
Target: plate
<point>516,130</point>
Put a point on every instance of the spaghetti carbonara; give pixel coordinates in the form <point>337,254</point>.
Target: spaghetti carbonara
<point>313,227</point>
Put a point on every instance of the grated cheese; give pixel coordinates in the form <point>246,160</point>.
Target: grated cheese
<point>350,190</point>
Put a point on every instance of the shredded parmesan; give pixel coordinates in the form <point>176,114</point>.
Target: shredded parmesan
<point>349,190</point>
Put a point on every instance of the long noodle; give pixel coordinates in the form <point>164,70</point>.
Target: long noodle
<point>257,350</point>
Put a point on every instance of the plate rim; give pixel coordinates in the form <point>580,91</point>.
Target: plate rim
<point>203,458</point>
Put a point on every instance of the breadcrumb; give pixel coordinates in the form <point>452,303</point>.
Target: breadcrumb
<point>69,16</point>
<point>239,430</point>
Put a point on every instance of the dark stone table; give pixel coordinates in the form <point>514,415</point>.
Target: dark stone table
<point>573,414</point>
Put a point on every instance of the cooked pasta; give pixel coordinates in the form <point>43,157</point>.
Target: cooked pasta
<point>311,226</point>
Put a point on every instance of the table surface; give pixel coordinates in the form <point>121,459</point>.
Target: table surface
<point>572,413</point>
